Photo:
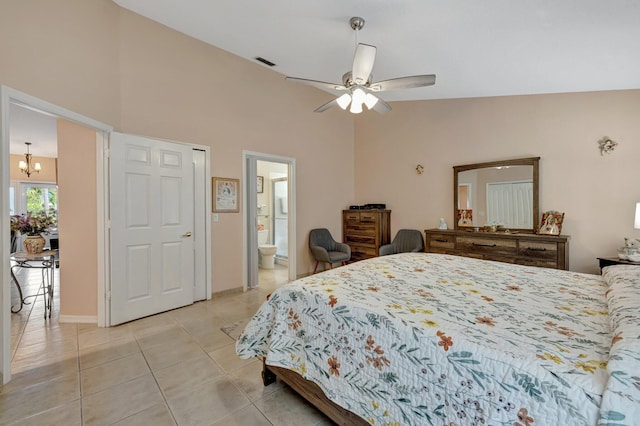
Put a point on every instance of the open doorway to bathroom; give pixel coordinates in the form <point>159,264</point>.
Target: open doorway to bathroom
<point>269,188</point>
<point>273,222</point>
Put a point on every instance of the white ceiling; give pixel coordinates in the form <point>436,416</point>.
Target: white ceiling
<point>476,48</point>
<point>26,125</point>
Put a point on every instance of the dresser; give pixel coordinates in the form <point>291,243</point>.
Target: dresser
<point>549,251</point>
<point>365,231</point>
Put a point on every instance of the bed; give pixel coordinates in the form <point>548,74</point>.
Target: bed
<point>431,339</point>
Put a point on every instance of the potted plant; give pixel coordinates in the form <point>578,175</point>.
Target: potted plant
<point>33,225</point>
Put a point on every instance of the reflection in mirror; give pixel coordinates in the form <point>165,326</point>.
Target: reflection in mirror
<point>501,193</point>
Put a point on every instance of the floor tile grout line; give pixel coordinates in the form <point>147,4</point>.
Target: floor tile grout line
<point>30,312</point>
<point>177,319</point>
<point>164,397</point>
<point>80,390</point>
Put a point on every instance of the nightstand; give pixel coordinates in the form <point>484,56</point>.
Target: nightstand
<point>608,261</point>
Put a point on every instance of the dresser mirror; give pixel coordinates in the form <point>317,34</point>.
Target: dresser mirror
<point>500,195</point>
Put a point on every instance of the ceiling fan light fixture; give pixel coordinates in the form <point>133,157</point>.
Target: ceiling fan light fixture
<point>344,101</point>
<point>357,82</point>
<point>358,95</point>
<point>357,99</point>
<point>355,108</point>
<point>370,100</point>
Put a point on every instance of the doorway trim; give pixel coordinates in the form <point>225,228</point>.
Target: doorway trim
<point>250,216</point>
<point>7,97</point>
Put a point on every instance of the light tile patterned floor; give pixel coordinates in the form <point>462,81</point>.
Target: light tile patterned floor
<point>172,368</point>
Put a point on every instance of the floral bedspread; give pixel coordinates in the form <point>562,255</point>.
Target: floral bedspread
<point>621,400</point>
<point>430,339</point>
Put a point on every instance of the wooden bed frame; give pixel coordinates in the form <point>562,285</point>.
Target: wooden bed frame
<point>312,393</point>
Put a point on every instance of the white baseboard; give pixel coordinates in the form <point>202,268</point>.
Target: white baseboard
<point>78,319</point>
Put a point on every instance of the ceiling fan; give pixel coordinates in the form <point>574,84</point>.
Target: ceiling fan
<point>357,85</point>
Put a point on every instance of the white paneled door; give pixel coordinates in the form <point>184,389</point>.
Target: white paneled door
<point>152,252</point>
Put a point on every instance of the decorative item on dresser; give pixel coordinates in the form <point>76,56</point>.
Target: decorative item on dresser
<point>549,251</point>
<point>365,231</point>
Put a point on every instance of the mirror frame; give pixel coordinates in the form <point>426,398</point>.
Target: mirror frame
<point>531,161</point>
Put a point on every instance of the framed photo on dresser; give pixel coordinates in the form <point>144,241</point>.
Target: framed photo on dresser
<point>551,223</point>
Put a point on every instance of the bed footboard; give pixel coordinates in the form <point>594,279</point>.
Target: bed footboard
<point>312,393</point>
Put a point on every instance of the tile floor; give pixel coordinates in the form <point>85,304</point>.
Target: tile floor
<point>174,368</point>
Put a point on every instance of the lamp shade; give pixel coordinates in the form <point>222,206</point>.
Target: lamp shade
<point>344,100</point>
<point>637,222</point>
<point>356,108</point>
<point>370,100</point>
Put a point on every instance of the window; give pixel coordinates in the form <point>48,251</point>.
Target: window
<point>38,197</point>
<point>12,200</point>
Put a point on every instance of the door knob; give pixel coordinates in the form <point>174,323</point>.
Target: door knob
<point>187,234</point>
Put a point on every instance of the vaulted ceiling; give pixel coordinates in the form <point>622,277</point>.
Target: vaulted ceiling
<point>476,48</point>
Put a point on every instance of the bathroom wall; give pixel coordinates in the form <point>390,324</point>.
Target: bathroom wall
<point>268,171</point>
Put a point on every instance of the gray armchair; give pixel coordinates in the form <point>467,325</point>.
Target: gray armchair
<point>405,241</point>
<point>326,249</point>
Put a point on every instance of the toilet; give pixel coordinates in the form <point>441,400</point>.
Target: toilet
<point>267,251</point>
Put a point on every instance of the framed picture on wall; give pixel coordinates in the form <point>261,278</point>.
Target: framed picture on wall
<point>260,184</point>
<point>225,195</point>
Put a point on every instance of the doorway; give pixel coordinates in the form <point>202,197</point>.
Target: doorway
<point>101,137</point>
<point>8,97</point>
<point>269,219</point>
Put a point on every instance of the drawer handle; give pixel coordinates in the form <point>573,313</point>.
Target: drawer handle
<point>440,240</point>
<point>536,248</point>
<point>484,245</point>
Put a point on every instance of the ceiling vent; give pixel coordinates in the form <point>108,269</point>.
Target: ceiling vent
<point>264,61</point>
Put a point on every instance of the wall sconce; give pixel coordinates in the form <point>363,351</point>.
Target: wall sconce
<point>419,169</point>
<point>607,145</point>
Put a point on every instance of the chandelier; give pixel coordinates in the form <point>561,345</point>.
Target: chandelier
<point>26,166</point>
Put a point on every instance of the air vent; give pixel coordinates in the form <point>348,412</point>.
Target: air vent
<point>264,61</point>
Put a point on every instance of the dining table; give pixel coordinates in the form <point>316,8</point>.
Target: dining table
<point>45,261</point>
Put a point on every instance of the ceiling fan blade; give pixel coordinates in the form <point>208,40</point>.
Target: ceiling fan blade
<point>326,106</point>
<point>319,84</point>
<point>363,63</point>
<point>403,83</point>
<point>381,107</point>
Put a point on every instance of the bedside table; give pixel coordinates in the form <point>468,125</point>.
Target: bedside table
<point>608,261</point>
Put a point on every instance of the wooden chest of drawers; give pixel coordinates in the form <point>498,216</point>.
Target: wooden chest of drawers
<point>365,231</point>
<point>549,251</point>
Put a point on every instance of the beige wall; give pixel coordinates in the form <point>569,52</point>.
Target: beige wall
<point>177,88</point>
<point>109,64</point>
<point>597,193</point>
<point>77,223</point>
<point>47,174</point>
<point>114,66</point>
